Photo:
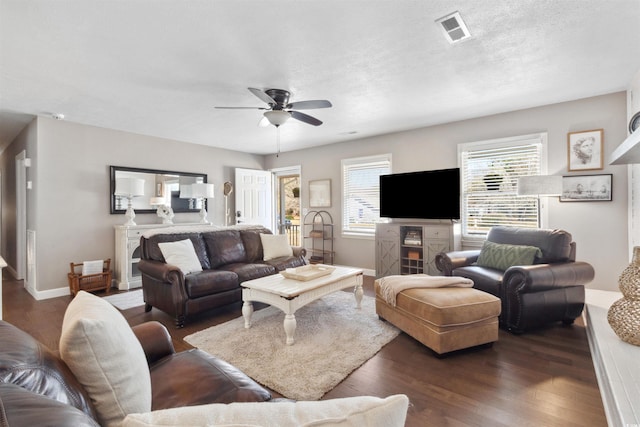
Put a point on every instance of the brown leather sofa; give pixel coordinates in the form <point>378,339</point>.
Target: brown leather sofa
<point>549,290</point>
<point>228,255</point>
<point>38,389</point>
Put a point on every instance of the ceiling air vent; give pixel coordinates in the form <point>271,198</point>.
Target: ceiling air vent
<point>454,27</point>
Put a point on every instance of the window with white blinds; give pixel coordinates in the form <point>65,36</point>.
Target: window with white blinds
<point>361,193</point>
<point>489,174</point>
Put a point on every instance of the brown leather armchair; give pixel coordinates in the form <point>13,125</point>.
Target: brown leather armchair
<point>549,290</point>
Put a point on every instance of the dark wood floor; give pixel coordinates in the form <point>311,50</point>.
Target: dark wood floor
<point>537,379</point>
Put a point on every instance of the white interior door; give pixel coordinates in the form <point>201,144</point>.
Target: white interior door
<point>254,199</point>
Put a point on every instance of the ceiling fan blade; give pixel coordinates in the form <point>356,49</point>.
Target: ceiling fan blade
<point>263,96</point>
<point>305,118</point>
<point>310,105</point>
<point>241,108</point>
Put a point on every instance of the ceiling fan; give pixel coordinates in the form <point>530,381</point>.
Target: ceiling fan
<point>280,109</point>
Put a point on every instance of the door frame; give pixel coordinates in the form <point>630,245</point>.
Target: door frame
<point>21,216</point>
<point>281,172</point>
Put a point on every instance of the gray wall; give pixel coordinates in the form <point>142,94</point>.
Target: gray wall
<point>599,228</point>
<point>69,203</point>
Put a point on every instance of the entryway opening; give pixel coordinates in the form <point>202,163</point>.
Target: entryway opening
<point>287,198</point>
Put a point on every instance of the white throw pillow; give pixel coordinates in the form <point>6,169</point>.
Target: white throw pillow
<point>349,411</point>
<point>275,246</point>
<point>106,357</point>
<point>181,254</point>
<point>92,267</point>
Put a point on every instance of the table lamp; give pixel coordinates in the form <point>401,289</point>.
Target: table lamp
<point>129,188</point>
<point>202,191</point>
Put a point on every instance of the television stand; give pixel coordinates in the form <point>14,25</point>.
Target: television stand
<point>411,247</point>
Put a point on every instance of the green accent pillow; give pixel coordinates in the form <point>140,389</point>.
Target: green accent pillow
<point>503,256</point>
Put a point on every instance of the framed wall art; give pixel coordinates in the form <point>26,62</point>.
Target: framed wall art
<point>585,150</point>
<point>320,193</point>
<point>586,188</point>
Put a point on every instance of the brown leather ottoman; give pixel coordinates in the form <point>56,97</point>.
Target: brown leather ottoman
<point>443,319</point>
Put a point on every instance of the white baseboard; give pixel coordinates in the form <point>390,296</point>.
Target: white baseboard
<point>49,293</point>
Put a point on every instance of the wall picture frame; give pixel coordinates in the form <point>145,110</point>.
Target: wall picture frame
<point>320,193</point>
<point>584,150</point>
<point>587,188</point>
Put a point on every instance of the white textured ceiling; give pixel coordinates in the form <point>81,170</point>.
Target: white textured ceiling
<point>158,67</point>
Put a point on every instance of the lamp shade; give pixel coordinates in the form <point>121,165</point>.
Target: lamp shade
<point>185,191</point>
<point>129,187</point>
<point>199,191</point>
<point>154,201</point>
<point>277,117</point>
<point>540,185</point>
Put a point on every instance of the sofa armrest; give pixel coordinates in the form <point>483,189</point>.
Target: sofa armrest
<point>534,295</point>
<point>22,407</point>
<point>544,277</point>
<point>155,340</point>
<point>161,271</point>
<point>449,261</point>
<point>299,251</point>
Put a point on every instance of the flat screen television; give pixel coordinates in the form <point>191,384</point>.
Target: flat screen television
<point>433,194</point>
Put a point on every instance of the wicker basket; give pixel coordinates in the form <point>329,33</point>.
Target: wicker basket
<point>89,282</point>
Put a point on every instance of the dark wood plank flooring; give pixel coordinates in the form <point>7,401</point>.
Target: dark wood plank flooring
<point>544,378</point>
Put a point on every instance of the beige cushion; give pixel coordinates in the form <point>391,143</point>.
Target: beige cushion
<point>181,254</point>
<point>275,246</point>
<point>351,411</point>
<point>106,357</point>
<point>450,306</point>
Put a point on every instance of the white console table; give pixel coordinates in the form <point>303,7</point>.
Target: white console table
<point>615,362</point>
<point>127,245</point>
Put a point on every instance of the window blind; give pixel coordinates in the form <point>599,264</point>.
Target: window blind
<point>361,193</point>
<point>490,182</point>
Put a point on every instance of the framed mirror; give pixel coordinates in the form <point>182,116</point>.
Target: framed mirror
<point>160,187</point>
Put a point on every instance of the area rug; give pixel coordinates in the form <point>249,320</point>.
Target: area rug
<point>332,339</point>
<point>126,300</point>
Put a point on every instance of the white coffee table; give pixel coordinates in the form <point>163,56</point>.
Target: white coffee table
<point>289,295</point>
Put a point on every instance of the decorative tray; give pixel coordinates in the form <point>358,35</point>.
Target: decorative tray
<point>307,272</point>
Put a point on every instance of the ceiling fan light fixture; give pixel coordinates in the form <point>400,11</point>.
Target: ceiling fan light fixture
<point>277,117</point>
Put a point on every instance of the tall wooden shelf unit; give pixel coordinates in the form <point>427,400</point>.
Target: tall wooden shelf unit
<point>411,248</point>
<point>318,236</point>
